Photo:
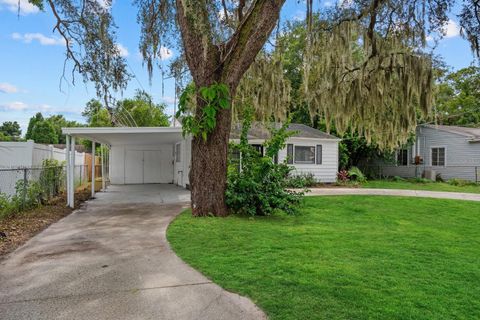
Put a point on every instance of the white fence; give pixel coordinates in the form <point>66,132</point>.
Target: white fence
<point>28,155</point>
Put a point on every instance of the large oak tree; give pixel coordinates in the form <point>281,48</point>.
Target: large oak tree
<point>220,40</point>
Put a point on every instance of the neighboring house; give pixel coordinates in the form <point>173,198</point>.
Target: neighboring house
<point>142,155</point>
<point>448,151</point>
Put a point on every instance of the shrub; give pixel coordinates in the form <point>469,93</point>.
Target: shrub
<point>421,180</point>
<point>356,174</point>
<point>398,179</point>
<point>259,186</point>
<point>342,176</point>
<point>301,180</point>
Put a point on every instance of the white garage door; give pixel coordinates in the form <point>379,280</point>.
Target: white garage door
<point>148,166</point>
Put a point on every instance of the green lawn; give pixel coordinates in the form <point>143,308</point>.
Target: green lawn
<point>432,186</point>
<point>345,257</point>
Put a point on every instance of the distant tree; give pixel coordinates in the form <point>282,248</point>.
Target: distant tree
<point>458,98</point>
<point>44,132</point>
<point>33,120</point>
<point>142,111</point>
<point>11,129</point>
<point>58,121</point>
<point>138,111</point>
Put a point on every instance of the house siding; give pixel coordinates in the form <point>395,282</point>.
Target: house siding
<point>462,158</point>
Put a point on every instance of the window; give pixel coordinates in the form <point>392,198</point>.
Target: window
<point>438,156</point>
<point>290,153</point>
<point>319,154</point>
<point>178,155</point>
<point>259,148</point>
<point>304,154</point>
<point>402,157</point>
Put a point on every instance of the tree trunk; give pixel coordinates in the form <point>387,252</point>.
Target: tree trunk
<point>208,173</point>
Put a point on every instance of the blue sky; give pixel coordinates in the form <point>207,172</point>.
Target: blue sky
<point>31,62</point>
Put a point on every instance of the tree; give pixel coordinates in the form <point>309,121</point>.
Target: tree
<point>58,122</point>
<point>11,130</point>
<point>33,120</point>
<point>458,98</point>
<point>44,132</point>
<point>219,48</point>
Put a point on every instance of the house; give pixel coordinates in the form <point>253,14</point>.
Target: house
<point>143,155</point>
<point>447,151</point>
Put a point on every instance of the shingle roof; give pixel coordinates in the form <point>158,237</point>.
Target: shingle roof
<point>464,131</point>
<point>258,130</point>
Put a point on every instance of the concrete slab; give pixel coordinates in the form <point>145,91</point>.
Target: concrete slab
<point>111,260</point>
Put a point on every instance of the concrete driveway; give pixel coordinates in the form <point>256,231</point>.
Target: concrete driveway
<point>110,260</point>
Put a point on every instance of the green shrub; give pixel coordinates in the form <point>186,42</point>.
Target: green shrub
<point>398,179</point>
<point>303,180</point>
<point>356,174</point>
<point>259,186</point>
<point>421,180</point>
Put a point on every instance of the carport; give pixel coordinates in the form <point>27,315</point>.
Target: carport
<point>135,155</point>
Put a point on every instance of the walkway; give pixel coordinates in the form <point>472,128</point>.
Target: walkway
<point>393,192</point>
<point>111,260</point>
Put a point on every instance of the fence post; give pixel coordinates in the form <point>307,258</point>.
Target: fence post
<point>24,193</point>
<point>476,174</point>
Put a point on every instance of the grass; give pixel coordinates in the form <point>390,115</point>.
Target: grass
<point>413,185</point>
<point>345,257</point>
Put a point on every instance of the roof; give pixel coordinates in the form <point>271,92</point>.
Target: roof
<point>158,135</point>
<point>258,130</point>
<point>473,133</point>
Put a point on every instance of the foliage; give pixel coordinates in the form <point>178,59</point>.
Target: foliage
<point>59,122</point>
<point>344,257</point>
<point>259,186</point>
<point>44,132</point>
<point>412,184</point>
<point>354,173</point>
<point>460,182</point>
<point>31,124</point>
<point>305,180</point>
<point>11,129</point>
<point>342,176</point>
<point>458,98</point>
<point>201,122</point>
<point>30,194</point>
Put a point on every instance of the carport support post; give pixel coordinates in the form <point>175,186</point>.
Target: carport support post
<point>103,168</point>
<point>67,169</point>
<point>93,169</point>
<point>72,173</point>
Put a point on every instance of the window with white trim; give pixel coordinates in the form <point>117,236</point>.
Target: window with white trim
<point>304,154</point>
<point>438,156</point>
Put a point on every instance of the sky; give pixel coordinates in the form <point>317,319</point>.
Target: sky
<point>32,59</point>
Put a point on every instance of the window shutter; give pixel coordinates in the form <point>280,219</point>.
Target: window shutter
<point>319,154</point>
<point>290,153</point>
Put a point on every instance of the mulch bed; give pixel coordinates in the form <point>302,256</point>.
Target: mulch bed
<point>19,228</point>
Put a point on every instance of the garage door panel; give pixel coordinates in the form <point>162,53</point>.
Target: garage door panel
<point>133,166</point>
<point>152,167</point>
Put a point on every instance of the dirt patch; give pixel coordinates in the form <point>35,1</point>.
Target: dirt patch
<point>17,229</point>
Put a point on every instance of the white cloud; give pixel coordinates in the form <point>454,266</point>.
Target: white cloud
<point>165,53</point>
<point>168,100</point>
<point>451,29</point>
<point>328,4</point>
<point>42,39</point>
<point>123,50</point>
<point>8,88</point>
<point>14,6</point>
<point>14,106</point>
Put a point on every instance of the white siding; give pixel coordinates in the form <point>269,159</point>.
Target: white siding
<point>325,172</point>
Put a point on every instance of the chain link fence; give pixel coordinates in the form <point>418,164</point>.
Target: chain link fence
<point>22,188</point>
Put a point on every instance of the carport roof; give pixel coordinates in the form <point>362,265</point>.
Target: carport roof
<point>127,135</point>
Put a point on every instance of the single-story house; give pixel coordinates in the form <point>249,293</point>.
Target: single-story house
<point>447,151</point>
<point>142,155</point>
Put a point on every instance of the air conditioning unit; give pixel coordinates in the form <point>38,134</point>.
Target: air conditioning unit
<point>430,175</point>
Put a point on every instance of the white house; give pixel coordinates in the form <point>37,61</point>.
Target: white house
<point>449,151</point>
<point>143,155</point>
